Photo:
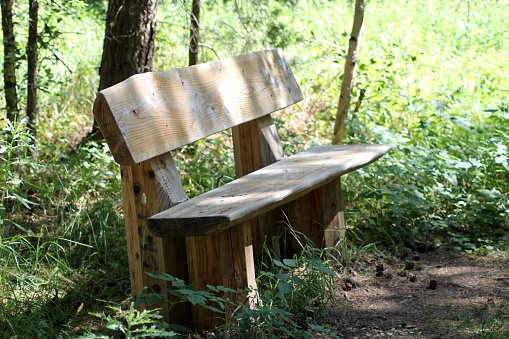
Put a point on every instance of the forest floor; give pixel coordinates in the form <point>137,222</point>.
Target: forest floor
<point>432,295</point>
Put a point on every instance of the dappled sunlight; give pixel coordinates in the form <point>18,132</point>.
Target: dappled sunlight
<point>157,112</point>
<point>404,297</point>
<point>269,187</point>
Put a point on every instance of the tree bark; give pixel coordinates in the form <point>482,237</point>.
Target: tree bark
<point>128,43</point>
<point>194,37</point>
<point>129,40</point>
<point>11,95</point>
<point>32,56</point>
<point>348,76</point>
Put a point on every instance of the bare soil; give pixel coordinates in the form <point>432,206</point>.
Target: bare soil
<point>430,295</point>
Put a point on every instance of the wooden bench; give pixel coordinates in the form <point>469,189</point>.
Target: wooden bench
<point>212,238</point>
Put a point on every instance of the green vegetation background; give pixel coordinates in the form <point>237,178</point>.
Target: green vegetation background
<point>436,80</point>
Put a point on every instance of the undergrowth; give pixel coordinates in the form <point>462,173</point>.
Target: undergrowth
<point>292,301</point>
<point>488,321</point>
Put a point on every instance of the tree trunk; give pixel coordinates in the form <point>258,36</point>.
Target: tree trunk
<point>11,95</point>
<point>32,56</point>
<point>348,76</point>
<point>128,43</point>
<point>194,37</point>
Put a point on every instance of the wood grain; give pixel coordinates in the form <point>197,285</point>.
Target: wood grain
<point>169,189</point>
<point>263,190</point>
<point>256,144</point>
<point>143,197</point>
<point>222,259</point>
<point>152,113</point>
<point>318,218</point>
<point>145,250</point>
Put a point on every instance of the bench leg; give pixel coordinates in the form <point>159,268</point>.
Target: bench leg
<point>223,259</point>
<point>146,252</point>
<point>256,144</point>
<point>319,216</point>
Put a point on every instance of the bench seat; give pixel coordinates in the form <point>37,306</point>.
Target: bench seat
<point>262,190</point>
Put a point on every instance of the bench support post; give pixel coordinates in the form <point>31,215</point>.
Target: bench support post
<point>223,259</point>
<point>319,217</point>
<point>256,144</point>
<point>146,252</point>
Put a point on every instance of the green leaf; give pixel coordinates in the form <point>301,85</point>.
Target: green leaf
<point>280,264</point>
<point>212,308</point>
<point>94,336</point>
<point>152,298</point>
<point>493,194</point>
<point>180,283</point>
<point>327,270</point>
<point>283,276</point>
<point>297,281</point>
<point>22,200</point>
<point>284,287</point>
<point>114,325</point>
<point>290,262</point>
<point>226,289</point>
<point>166,276</point>
<point>196,299</point>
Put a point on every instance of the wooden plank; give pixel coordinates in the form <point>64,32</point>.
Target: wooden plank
<point>152,113</point>
<point>146,252</point>
<point>171,193</point>
<point>204,265</point>
<point>223,259</point>
<point>334,215</point>
<point>256,144</point>
<point>263,190</point>
<point>317,218</point>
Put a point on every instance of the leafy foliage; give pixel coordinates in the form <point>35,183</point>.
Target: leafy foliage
<point>132,324</point>
<point>294,295</point>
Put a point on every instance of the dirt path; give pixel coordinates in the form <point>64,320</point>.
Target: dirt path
<point>431,295</point>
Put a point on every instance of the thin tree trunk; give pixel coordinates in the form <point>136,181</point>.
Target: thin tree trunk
<point>11,95</point>
<point>128,43</point>
<point>32,56</point>
<point>194,37</point>
<point>348,76</point>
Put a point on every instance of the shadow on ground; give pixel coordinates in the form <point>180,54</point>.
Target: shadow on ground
<point>434,295</point>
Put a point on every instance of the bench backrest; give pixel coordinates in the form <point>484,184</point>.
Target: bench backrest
<point>153,113</point>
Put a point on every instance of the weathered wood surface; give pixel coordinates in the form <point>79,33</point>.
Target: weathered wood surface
<point>256,144</point>
<point>169,188</point>
<point>222,259</point>
<point>152,113</point>
<point>263,190</point>
<point>318,217</point>
<point>146,252</point>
